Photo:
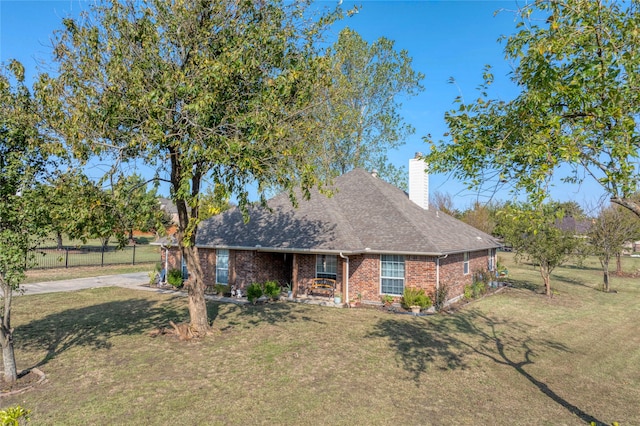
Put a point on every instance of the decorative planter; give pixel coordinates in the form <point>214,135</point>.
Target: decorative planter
<point>415,309</point>
<point>337,300</point>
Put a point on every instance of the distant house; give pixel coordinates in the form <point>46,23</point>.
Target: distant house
<point>369,237</point>
<point>169,208</point>
<point>578,227</point>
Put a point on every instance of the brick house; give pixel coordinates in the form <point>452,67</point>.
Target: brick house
<point>369,236</point>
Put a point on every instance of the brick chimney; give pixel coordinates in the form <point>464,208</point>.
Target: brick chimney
<point>419,181</point>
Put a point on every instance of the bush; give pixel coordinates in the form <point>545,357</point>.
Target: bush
<point>387,299</point>
<point>415,297</point>
<point>468,292</point>
<point>441,296</point>
<point>254,292</point>
<point>272,289</point>
<point>174,277</point>
<point>12,415</point>
<point>475,290</point>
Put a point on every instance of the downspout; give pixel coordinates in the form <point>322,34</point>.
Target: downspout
<point>438,271</point>
<point>346,279</point>
<point>166,261</point>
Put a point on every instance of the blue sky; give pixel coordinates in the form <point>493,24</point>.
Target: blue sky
<point>444,38</point>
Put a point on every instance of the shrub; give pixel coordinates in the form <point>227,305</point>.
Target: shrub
<point>254,292</point>
<point>475,290</point>
<point>12,415</point>
<point>272,289</point>
<point>479,288</point>
<point>174,277</point>
<point>387,299</point>
<point>468,292</point>
<point>221,288</point>
<point>441,296</point>
<point>415,297</point>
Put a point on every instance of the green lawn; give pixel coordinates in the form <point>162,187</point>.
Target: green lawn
<point>512,358</point>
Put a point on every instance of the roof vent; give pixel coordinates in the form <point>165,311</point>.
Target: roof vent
<point>374,173</point>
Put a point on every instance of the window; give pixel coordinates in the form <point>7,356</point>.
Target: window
<point>222,266</point>
<point>392,274</point>
<point>491,264</point>
<point>183,267</point>
<point>466,263</point>
<point>326,266</point>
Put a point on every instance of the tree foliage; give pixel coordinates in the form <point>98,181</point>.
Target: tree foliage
<point>535,234</point>
<point>609,231</point>
<point>443,201</point>
<point>360,117</point>
<point>481,216</point>
<point>23,164</point>
<point>578,67</point>
<point>217,90</point>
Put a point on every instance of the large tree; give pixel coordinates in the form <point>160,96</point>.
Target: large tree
<point>23,219</point>
<point>360,117</point>
<point>217,90</point>
<point>577,64</point>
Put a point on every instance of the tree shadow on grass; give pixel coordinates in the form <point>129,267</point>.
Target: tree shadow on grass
<point>447,343</point>
<point>93,326</point>
<point>272,313</point>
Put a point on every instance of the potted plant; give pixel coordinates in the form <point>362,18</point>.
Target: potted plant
<point>415,299</point>
<point>287,289</point>
<point>387,300</point>
<point>337,298</point>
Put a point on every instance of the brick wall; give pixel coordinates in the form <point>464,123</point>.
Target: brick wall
<point>452,271</point>
<point>307,272</point>
<point>248,266</point>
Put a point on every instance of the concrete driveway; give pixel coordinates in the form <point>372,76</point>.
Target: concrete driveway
<point>133,280</point>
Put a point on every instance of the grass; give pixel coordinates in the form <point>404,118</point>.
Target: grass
<point>512,358</point>
<point>58,274</point>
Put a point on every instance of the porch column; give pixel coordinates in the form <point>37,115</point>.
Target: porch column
<point>294,275</point>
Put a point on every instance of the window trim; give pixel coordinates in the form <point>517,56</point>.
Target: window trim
<point>465,264</point>
<point>402,279</point>
<point>492,260</point>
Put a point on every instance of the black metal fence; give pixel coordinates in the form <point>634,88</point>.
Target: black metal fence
<point>68,257</point>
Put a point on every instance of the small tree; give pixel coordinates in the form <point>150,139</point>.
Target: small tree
<point>534,233</point>
<point>609,231</point>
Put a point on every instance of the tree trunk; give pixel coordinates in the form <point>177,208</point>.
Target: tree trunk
<point>59,240</point>
<point>619,263</point>
<point>546,278</point>
<point>195,290</point>
<point>8,358</point>
<point>605,275</point>
<point>6,338</point>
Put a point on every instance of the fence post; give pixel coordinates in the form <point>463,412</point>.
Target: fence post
<point>102,256</point>
<point>66,257</point>
<point>133,260</point>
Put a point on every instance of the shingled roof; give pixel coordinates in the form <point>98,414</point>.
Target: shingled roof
<point>364,215</point>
